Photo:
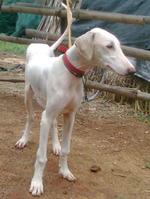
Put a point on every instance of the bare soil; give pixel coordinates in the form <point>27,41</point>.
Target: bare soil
<point>107,136</point>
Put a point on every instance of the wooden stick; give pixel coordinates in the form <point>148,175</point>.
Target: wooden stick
<point>133,52</point>
<point>80,14</point>
<point>130,51</point>
<point>1,2</point>
<point>21,40</point>
<point>136,52</point>
<point>12,80</point>
<point>69,21</point>
<point>41,34</point>
<point>124,91</point>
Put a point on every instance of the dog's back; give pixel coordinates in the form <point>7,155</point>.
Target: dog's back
<point>36,50</point>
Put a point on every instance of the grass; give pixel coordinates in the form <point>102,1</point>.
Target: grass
<point>120,197</point>
<point>147,165</point>
<point>144,118</point>
<point>13,48</point>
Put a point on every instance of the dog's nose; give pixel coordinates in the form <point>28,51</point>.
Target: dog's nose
<point>131,70</point>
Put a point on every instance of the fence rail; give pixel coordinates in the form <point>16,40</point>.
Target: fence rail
<point>80,14</point>
<point>129,51</point>
<point>84,15</point>
<point>133,93</point>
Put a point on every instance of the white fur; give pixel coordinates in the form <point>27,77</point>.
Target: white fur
<point>58,91</point>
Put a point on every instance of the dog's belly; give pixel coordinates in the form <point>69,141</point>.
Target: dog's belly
<point>37,78</point>
<point>39,90</point>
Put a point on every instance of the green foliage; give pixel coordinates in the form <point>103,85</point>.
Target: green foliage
<point>12,48</point>
<point>144,117</point>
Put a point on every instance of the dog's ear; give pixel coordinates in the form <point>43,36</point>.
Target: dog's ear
<point>85,44</point>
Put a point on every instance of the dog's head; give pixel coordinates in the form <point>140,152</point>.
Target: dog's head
<point>100,47</point>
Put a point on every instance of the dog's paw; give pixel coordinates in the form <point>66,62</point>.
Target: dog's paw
<point>36,188</point>
<point>21,143</point>
<point>56,148</point>
<point>66,173</point>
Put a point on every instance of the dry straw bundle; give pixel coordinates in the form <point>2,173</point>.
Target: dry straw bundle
<point>111,78</point>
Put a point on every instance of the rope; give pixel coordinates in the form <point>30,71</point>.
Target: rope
<point>69,21</point>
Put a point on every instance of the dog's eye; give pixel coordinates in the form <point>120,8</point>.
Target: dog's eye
<point>110,46</point>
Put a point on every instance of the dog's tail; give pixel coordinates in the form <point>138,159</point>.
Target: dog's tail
<point>60,40</point>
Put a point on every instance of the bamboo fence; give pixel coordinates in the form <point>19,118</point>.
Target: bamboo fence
<point>83,15</point>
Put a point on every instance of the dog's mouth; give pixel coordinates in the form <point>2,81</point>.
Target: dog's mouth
<point>107,66</point>
<point>110,68</point>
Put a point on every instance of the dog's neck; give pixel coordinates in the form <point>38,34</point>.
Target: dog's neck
<point>76,59</point>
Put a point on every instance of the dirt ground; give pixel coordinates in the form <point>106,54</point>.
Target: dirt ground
<point>106,134</point>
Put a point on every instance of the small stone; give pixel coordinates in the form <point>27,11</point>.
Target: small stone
<point>65,192</point>
<point>95,168</point>
<point>146,132</point>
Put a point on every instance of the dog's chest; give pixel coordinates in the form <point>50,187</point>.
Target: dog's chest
<point>74,100</point>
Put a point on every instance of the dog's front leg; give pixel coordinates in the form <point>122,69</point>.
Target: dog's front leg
<point>36,187</point>
<point>55,141</point>
<point>65,146</point>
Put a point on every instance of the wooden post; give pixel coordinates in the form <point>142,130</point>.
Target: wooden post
<point>63,22</point>
<point>1,2</point>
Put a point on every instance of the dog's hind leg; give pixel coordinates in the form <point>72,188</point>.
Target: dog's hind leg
<point>21,143</point>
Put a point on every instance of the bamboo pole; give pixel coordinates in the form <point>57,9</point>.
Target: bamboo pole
<point>44,35</point>
<point>12,80</point>
<point>124,91</point>
<point>80,14</point>
<point>41,34</point>
<point>129,51</point>
<point>1,2</point>
<point>136,52</point>
<point>133,52</point>
<point>69,21</point>
<point>21,40</point>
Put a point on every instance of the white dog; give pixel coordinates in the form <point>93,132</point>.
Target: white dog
<point>56,82</point>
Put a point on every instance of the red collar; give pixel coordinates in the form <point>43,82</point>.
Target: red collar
<point>72,69</point>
